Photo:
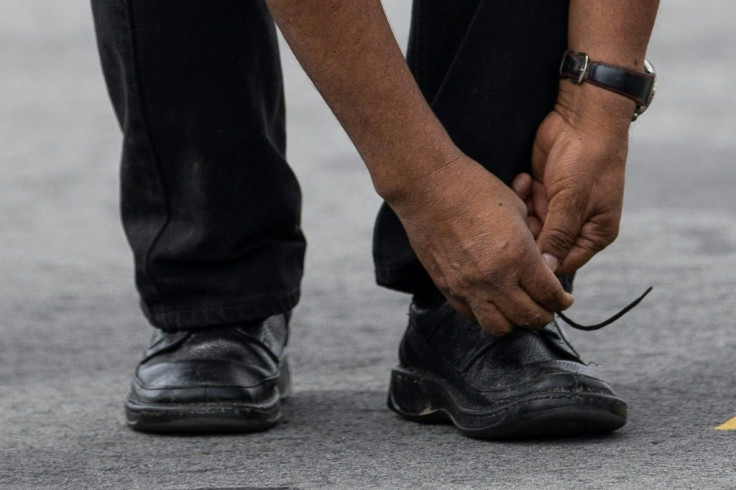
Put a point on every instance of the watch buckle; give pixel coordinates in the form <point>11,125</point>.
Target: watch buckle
<point>582,71</point>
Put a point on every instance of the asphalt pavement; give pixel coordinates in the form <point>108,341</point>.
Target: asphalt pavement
<point>71,331</point>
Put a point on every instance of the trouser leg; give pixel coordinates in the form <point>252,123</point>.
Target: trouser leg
<point>489,69</point>
<point>209,204</point>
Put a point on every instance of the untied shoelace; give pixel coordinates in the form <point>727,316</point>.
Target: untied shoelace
<point>605,323</point>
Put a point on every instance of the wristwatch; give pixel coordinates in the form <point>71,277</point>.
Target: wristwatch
<point>637,86</point>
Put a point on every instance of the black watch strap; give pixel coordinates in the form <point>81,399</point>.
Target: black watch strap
<point>637,86</point>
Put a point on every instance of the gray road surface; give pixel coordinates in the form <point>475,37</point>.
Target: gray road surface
<point>71,332</point>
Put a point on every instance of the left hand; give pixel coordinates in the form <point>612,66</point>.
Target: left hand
<point>575,194</point>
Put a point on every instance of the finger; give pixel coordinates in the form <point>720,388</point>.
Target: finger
<point>576,258</point>
<point>491,319</point>
<point>523,311</point>
<point>529,206</point>
<point>539,199</point>
<point>560,229</point>
<point>545,289</point>
<point>593,238</point>
<point>535,226</point>
<point>460,306</point>
<point>522,186</point>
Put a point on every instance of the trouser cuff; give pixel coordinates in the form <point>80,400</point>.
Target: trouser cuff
<point>215,316</point>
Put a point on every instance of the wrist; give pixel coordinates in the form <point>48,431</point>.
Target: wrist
<point>579,68</point>
<point>396,174</point>
<point>586,106</point>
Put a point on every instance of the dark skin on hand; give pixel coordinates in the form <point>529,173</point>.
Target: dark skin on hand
<point>551,222</point>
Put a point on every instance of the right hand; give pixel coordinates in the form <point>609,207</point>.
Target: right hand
<point>469,231</point>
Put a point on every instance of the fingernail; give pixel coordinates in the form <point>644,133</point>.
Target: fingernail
<point>551,261</point>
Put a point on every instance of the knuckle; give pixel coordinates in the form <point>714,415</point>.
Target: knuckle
<point>552,299</point>
<point>461,308</point>
<point>491,320</point>
<point>596,243</point>
<point>534,318</point>
<point>456,301</point>
<point>460,284</point>
<point>612,234</point>
<point>560,238</point>
<point>464,283</point>
<point>576,197</point>
<point>549,290</point>
<point>591,247</point>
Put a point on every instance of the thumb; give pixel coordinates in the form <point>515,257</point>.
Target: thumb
<point>558,235</point>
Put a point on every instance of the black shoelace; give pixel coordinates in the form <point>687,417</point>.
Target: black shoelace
<point>605,323</point>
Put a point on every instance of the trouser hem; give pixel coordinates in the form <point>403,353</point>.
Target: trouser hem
<point>214,316</point>
<point>410,278</point>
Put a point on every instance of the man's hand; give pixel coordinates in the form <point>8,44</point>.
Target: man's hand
<point>469,231</point>
<point>575,197</point>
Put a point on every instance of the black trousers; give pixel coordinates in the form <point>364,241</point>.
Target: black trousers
<point>210,207</point>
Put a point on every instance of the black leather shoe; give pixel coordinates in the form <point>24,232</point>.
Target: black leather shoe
<point>226,379</point>
<point>526,384</point>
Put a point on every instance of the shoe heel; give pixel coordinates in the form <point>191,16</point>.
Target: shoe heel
<point>416,398</point>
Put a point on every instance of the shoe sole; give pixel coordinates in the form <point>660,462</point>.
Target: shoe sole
<point>216,417</point>
<point>424,398</point>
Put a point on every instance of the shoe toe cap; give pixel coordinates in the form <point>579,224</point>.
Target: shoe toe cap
<point>546,379</point>
<point>203,382</point>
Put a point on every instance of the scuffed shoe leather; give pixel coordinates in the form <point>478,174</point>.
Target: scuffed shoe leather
<point>208,380</point>
<point>525,384</point>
